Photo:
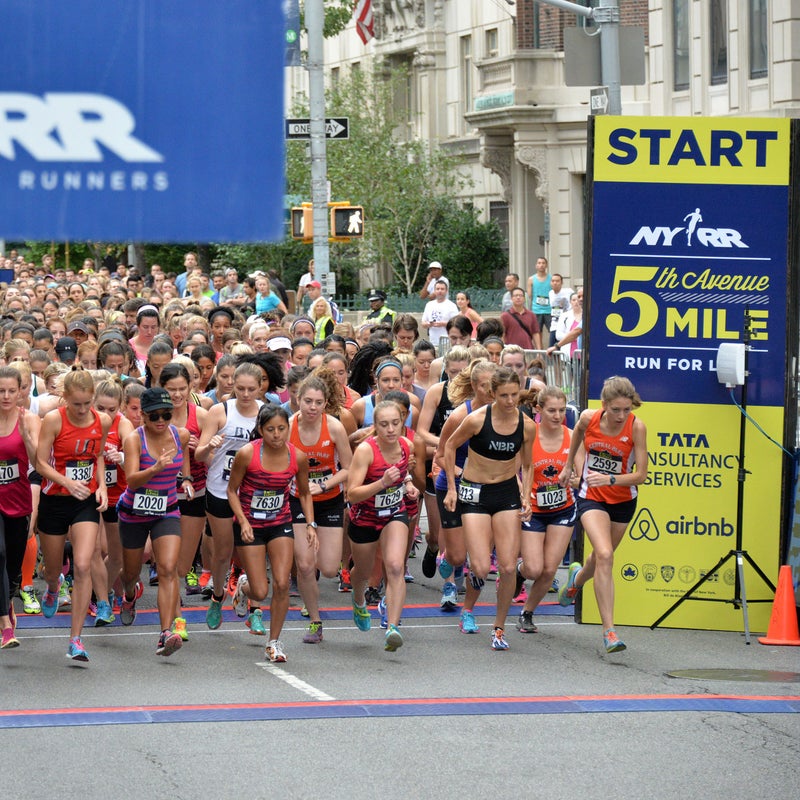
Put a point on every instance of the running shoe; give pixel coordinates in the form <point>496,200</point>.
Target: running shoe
<point>449,601</point>
<point>127,610</point>
<point>493,564</point>
<point>382,612</point>
<point>239,597</point>
<point>393,639</point>
<point>612,642</point>
<point>274,652</point>
<point>293,590</point>
<point>361,616</point>
<point>76,651</point>
<point>445,568</point>
<point>206,584</point>
<point>30,602</point>
<point>179,627</point>
<point>92,609</point>
<point>344,580</point>
<point>525,623</point>
<point>50,599</point>
<point>254,622</point>
<point>304,612</point>
<point>233,579</point>
<point>214,614</point>
<point>168,643</point>
<point>153,575</point>
<point>429,563</point>
<point>9,641</point>
<point>418,537</point>
<point>468,623</point>
<point>520,582</point>
<point>104,614</point>
<point>313,634</point>
<point>13,617</point>
<point>192,583</point>
<point>477,583</point>
<point>567,593</point>
<point>499,639</point>
<point>372,596</point>
<point>522,597</point>
<point>408,577</point>
<point>554,588</point>
<point>64,597</point>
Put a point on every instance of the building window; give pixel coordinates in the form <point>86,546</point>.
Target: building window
<point>491,43</point>
<point>466,74</point>
<point>719,41</point>
<point>335,78</point>
<point>759,54</point>
<point>499,213</point>
<point>680,45</point>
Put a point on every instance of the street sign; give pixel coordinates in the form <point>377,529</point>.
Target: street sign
<point>582,65</point>
<point>327,280</point>
<point>335,128</point>
<point>598,100</point>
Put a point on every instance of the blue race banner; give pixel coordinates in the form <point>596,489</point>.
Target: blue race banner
<point>150,120</point>
<point>690,224</point>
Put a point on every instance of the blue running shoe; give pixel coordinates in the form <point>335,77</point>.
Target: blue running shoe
<point>468,623</point>
<point>445,568</point>
<point>50,599</point>
<point>612,642</point>
<point>567,593</point>
<point>393,639</point>
<point>554,588</point>
<point>449,600</point>
<point>77,652</point>
<point>499,639</point>
<point>104,614</point>
<point>361,616</point>
<point>382,612</point>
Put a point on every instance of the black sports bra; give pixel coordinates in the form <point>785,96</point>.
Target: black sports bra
<point>490,444</point>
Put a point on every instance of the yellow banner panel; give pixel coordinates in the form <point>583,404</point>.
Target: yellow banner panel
<point>681,150</point>
<point>686,519</point>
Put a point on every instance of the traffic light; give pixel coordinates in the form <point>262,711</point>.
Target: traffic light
<point>303,223</point>
<point>347,222</point>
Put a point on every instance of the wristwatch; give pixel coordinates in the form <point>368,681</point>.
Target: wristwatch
<point>312,525</point>
<point>612,480</point>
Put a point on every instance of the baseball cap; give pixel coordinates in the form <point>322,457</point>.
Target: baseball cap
<point>76,325</point>
<point>279,343</point>
<point>155,399</point>
<point>66,349</point>
<point>315,284</point>
<point>434,265</point>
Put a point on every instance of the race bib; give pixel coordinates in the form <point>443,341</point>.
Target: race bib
<point>150,502</point>
<point>9,471</point>
<point>542,301</point>
<point>556,312</point>
<point>82,470</point>
<point>227,465</point>
<point>469,492</point>
<point>388,500</point>
<point>551,496</point>
<point>319,477</point>
<point>604,462</point>
<point>111,474</point>
<point>266,504</point>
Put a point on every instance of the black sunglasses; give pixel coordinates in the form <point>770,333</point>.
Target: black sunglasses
<point>155,416</point>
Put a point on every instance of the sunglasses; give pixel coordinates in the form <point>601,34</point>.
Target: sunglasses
<point>155,416</point>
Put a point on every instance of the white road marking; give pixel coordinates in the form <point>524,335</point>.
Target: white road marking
<point>294,681</point>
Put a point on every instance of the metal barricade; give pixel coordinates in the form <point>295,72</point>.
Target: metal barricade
<point>559,370</point>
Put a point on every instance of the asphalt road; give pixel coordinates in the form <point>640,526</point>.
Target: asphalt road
<point>444,715</point>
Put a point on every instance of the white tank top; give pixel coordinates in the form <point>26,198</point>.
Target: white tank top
<point>236,434</point>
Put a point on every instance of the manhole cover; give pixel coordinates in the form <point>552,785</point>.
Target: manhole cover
<point>751,675</point>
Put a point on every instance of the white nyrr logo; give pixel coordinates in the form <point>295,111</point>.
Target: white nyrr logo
<point>66,126</point>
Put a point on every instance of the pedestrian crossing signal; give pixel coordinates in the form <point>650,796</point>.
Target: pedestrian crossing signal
<point>303,223</point>
<point>347,222</point>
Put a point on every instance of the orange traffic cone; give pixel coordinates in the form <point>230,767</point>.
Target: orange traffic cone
<point>783,622</point>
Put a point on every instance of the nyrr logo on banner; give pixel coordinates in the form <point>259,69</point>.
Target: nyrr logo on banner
<point>709,237</point>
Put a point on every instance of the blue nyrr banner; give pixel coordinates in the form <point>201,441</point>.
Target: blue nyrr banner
<point>150,120</point>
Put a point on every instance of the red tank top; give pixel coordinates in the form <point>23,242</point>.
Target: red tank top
<point>198,469</point>
<point>322,462</point>
<point>546,494</point>
<point>15,488</point>
<point>381,507</point>
<point>75,453</point>
<point>116,482</point>
<point>265,495</point>
<point>611,455</point>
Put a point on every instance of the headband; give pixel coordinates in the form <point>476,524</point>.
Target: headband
<point>148,307</point>
<point>389,363</point>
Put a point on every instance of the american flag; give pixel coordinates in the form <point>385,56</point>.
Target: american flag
<point>365,22</point>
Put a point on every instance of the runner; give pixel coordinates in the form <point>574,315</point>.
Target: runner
<point>492,504</point>
<point>156,458</point>
<point>19,431</point>
<point>546,536</point>
<point>70,459</point>
<point>323,439</point>
<point>375,488</point>
<point>227,430</point>
<point>258,493</point>
<point>616,463</point>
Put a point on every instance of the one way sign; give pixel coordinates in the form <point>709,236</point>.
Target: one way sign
<point>335,128</point>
